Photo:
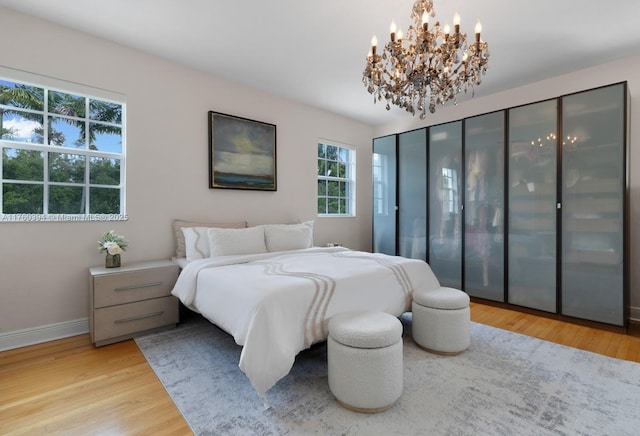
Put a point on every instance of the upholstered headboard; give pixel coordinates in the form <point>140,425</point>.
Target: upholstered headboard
<point>179,236</point>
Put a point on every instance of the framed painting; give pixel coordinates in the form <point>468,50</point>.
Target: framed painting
<point>242,153</point>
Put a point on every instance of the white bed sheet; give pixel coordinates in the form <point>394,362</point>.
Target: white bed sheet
<point>277,304</point>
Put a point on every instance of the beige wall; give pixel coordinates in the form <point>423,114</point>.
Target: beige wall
<point>625,69</point>
<point>43,266</point>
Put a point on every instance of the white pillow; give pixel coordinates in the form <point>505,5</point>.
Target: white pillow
<point>224,242</point>
<point>284,237</point>
<point>196,242</point>
<point>179,236</point>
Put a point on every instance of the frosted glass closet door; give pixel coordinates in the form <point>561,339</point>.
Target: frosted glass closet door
<point>484,206</point>
<point>532,188</point>
<point>384,195</point>
<point>412,194</point>
<point>593,168</point>
<point>445,203</point>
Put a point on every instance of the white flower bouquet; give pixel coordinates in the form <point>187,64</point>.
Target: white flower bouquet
<point>112,243</point>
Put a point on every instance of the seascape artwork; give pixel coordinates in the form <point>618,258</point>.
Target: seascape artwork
<point>242,153</point>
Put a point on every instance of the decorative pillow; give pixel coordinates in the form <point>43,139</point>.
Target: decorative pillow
<point>224,242</point>
<point>284,237</point>
<point>196,242</point>
<point>179,236</point>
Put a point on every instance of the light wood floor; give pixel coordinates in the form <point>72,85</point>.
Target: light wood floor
<point>70,387</point>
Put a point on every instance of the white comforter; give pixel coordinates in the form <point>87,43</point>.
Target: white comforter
<point>277,304</point>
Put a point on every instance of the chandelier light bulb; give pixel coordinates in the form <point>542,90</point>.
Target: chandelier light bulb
<point>456,19</point>
<point>392,27</point>
<point>478,27</point>
<point>447,28</point>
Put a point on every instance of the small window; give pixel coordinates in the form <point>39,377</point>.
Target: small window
<point>62,155</point>
<point>336,180</point>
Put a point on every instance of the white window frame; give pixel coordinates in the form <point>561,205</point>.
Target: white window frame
<point>52,84</point>
<point>349,178</point>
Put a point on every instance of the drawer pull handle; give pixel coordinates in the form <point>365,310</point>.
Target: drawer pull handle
<point>135,318</point>
<point>144,285</point>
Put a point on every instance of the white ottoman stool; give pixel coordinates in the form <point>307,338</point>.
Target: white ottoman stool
<point>441,320</point>
<point>364,354</point>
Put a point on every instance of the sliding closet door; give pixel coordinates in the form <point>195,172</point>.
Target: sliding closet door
<point>593,188</point>
<point>412,194</point>
<point>484,155</point>
<point>445,203</point>
<point>532,192</point>
<point>384,195</point>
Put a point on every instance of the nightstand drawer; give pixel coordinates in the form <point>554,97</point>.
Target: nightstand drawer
<point>111,322</point>
<point>126,287</point>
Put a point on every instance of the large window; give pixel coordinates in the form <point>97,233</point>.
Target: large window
<point>336,180</point>
<point>62,154</point>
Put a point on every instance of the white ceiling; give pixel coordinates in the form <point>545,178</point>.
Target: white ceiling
<point>314,51</point>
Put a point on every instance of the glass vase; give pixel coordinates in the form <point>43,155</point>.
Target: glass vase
<point>112,261</point>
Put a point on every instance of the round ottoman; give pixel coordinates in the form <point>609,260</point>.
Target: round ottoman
<point>441,320</point>
<point>364,354</point>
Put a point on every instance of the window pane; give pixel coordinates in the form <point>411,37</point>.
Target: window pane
<point>105,111</point>
<point>22,164</point>
<point>21,126</point>
<point>104,171</point>
<point>104,200</point>
<point>342,204</point>
<point>21,96</point>
<point>21,198</point>
<point>332,152</point>
<point>333,188</point>
<point>322,149</point>
<point>105,138</point>
<point>342,189</point>
<point>66,133</point>
<point>67,104</point>
<point>332,169</point>
<point>343,155</point>
<point>322,188</point>
<point>66,199</point>
<point>322,167</point>
<point>67,168</point>
<point>342,170</point>
<point>334,205</point>
<point>322,205</point>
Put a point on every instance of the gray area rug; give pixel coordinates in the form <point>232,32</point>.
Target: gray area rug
<point>504,384</point>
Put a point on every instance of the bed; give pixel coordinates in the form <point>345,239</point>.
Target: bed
<point>274,292</point>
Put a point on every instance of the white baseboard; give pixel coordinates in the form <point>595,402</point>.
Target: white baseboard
<point>51,332</point>
<point>45,333</point>
<point>634,314</point>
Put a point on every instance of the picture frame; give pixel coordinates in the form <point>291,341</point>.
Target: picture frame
<point>242,153</point>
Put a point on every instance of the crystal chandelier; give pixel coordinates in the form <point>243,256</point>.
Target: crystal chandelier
<point>428,67</point>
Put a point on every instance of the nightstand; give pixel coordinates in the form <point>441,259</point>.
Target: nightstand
<point>132,299</point>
